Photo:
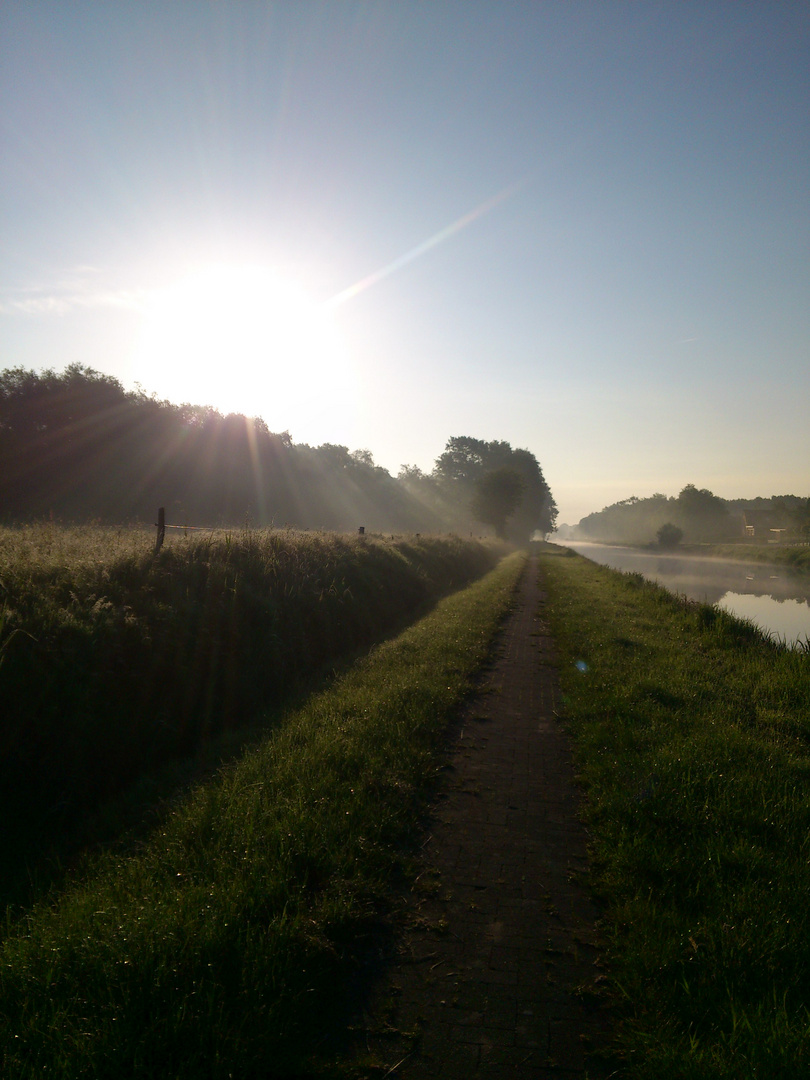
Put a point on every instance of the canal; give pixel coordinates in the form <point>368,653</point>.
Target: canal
<point>776,598</point>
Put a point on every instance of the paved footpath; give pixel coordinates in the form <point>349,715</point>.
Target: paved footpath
<point>500,932</point>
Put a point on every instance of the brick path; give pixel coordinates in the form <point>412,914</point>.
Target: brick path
<point>500,933</point>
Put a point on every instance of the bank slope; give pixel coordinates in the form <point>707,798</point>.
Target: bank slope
<point>692,736</point>
<point>221,949</point>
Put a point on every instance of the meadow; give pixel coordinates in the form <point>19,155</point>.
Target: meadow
<point>692,738</point>
<point>116,662</point>
<point>228,942</point>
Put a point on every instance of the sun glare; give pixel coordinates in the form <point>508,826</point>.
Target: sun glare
<point>242,339</point>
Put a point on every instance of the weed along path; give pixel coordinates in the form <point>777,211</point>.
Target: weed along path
<point>499,933</point>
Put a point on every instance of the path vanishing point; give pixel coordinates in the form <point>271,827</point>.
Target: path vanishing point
<point>492,970</point>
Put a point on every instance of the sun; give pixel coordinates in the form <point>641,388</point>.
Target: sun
<point>243,339</point>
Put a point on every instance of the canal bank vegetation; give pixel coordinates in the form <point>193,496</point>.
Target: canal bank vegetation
<point>116,660</point>
<point>794,556</point>
<point>225,945</point>
<point>692,734</point>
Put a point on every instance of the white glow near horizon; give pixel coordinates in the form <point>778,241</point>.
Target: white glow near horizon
<point>241,339</point>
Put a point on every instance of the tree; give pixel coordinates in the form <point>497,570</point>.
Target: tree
<point>669,536</point>
<point>410,474</point>
<point>704,516</point>
<point>466,460</point>
<point>498,494</point>
<point>463,460</point>
<point>78,446</point>
<point>363,457</point>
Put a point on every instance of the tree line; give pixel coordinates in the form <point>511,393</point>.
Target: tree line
<point>77,446</point>
<point>696,515</point>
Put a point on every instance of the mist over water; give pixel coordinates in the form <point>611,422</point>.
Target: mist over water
<point>775,598</point>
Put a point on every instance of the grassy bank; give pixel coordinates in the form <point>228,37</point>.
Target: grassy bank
<point>693,742</point>
<point>223,948</point>
<point>114,660</point>
<point>793,555</point>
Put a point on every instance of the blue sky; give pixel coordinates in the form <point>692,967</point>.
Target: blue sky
<point>579,227</point>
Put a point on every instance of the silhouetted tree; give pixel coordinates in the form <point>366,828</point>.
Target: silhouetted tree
<point>699,514</point>
<point>79,446</point>
<point>465,460</point>
<point>498,494</point>
<point>703,515</point>
<point>669,536</point>
<point>630,521</point>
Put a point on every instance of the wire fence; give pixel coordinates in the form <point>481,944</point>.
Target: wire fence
<point>161,527</point>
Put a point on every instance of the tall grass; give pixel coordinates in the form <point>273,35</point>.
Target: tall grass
<point>222,949</point>
<point>693,741</point>
<point>115,660</point>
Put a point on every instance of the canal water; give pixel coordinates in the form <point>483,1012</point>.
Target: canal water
<point>774,597</point>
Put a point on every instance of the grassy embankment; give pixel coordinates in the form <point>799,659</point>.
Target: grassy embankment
<point>114,661</point>
<point>221,948</point>
<point>693,742</point>
<point>792,555</point>
<point>795,556</point>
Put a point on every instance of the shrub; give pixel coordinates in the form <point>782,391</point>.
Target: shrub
<point>669,536</point>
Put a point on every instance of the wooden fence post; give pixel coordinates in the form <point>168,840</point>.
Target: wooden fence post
<point>161,529</point>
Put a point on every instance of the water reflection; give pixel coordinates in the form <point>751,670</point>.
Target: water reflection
<point>775,598</point>
<point>788,619</point>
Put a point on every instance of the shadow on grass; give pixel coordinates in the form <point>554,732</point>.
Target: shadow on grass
<point>43,851</point>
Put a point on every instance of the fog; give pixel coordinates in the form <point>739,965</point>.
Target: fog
<point>776,598</point>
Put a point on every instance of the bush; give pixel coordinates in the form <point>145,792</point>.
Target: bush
<point>669,536</point>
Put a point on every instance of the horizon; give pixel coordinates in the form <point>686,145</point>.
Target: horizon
<point>248,418</point>
<point>579,229</point>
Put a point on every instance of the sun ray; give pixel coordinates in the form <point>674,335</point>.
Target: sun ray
<point>243,339</point>
<point>426,245</point>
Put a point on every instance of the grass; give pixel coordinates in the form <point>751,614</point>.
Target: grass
<point>223,947</point>
<point>114,661</point>
<point>796,556</point>
<point>692,733</point>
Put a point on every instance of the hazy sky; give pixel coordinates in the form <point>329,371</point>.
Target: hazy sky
<point>581,227</point>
